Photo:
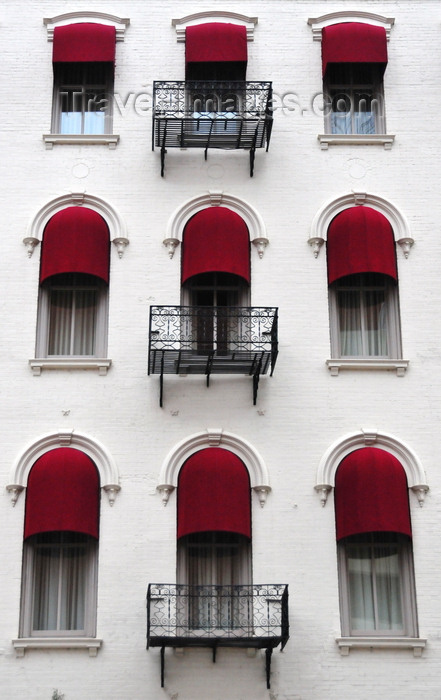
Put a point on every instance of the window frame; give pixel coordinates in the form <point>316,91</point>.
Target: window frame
<point>407,590</point>
<point>393,329</point>
<point>26,629</point>
<point>81,88</point>
<point>348,86</point>
<point>44,315</point>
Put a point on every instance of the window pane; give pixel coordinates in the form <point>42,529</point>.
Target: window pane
<point>72,315</point>
<point>361,592</point>
<point>60,322</point>
<point>376,322</point>
<point>349,313</point>
<point>85,322</point>
<point>45,599</point>
<point>387,578</point>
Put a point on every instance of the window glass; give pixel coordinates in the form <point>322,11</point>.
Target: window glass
<point>354,96</point>
<point>82,98</point>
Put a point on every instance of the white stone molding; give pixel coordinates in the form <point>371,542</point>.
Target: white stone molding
<point>171,244</point>
<point>372,363</point>
<point>178,220</point>
<point>416,478</point>
<point>120,23</point>
<point>385,140</point>
<point>405,245</point>
<point>260,244</point>
<point>101,457</point>
<point>169,474</point>
<point>327,212</point>
<point>316,243</point>
<point>91,643</point>
<point>38,364</point>
<point>30,243</point>
<point>120,244</point>
<point>110,140</point>
<point>117,227</point>
<point>345,644</point>
<point>214,16</point>
<point>344,16</point>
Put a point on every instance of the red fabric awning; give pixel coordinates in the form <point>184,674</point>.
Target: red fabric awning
<point>214,494</point>
<point>371,494</point>
<point>360,239</point>
<point>63,494</point>
<point>353,42</point>
<point>216,239</point>
<point>84,42</point>
<point>215,41</point>
<point>75,239</point>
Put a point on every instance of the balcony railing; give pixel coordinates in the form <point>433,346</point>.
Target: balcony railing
<point>211,114</point>
<point>250,616</point>
<point>213,340</point>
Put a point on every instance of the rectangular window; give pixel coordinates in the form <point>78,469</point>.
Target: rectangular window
<point>377,587</point>
<point>364,316</point>
<point>354,101</point>
<point>59,585</point>
<point>82,101</point>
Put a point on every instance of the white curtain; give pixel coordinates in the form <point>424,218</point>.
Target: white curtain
<point>362,323</point>
<point>374,588</point>
<point>72,322</point>
<point>59,586</point>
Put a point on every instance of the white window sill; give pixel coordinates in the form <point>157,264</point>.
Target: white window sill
<point>90,643</point>
<point>327,140</point>
<point>37,365</point>
<point>110,140</point>
<point>345,644</point>
<point>335,365</point>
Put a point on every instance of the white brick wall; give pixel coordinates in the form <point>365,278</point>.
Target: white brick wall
<point>300,411</point>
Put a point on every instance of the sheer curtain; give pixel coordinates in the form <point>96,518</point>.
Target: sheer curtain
<point>72,320</point>
<point>374,587</point>
<point>59,582</point>
<point>212,564</point>
<point>362,318</point>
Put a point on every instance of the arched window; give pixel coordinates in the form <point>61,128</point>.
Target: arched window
<point>60,546</point>
<point>215,276</point>
<point>214,537</point>
<point>374,539</point>
<point>74,277</point>
<point>363,286</point>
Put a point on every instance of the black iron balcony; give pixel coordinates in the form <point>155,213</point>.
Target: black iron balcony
<point>250,616</point>
<point>212,340</point>
<point>211,114</point>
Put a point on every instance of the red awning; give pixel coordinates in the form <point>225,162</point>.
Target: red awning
<point>214,494</point>
<point>216,240</point>
<point>84,42</point>
<point>215,42</point>
<point>62,494</point>
<point>75,239</point>
<point>360,239</point>
<point>353,42</point>
<point>371,494</point>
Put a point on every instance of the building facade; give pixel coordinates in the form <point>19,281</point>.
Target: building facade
<point>220,392</point>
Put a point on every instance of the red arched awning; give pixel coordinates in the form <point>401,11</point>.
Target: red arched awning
<point>214,494</point>
<point>77,43</point>
<point>360,239</point>
<point>62,494</point>
<point>371,494</point>
<point>75,239</point>
<point>216,239</point>
<point>354,42</point>
<point>215,41</point>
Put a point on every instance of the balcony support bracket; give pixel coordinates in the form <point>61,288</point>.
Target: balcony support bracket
<point>268,655</point>
<point>252,158</point>
<point>162,665</point>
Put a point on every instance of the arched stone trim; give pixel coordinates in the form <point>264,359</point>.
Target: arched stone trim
<point>119,23</point>
<point>329,210</point>
<point>106,465</point>
<point>330,461</point>
<point>213,198</point>
<point>317,23</point>
<point>214,437</point>
<point>214,16</point>
<point>117,227</point>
